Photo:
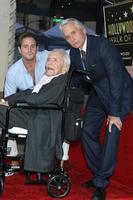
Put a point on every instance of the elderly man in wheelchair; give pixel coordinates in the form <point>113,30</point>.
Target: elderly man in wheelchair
<point>43,142</point>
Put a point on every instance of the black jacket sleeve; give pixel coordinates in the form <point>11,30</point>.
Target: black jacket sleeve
<point>52,92</point>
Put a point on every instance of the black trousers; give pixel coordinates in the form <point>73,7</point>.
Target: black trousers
<point>18,117</point>
<point>101,158</point>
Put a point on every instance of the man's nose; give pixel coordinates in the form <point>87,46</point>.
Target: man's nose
<point>72,39</point>
<point>29,49</point>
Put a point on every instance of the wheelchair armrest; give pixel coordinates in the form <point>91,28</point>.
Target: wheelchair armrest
<point>52,106</point>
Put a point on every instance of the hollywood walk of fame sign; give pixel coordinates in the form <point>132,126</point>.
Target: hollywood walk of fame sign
<point>118,20</point>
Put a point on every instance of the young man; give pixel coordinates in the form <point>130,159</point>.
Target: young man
<point>111,97</point>
<point>28,70</point>
<point>44,126</point>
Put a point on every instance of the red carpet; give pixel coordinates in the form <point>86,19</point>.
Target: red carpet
<point>15,189</point>
<point>120,188</point>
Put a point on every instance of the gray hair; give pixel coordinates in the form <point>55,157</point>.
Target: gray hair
<point>66,58</point>
<point>76,22</point>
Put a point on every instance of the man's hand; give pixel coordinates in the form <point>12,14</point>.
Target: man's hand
<point>112,120</point>
<point>3,102</point>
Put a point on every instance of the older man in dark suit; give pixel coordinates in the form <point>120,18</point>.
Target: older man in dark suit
<point>43,142</point>
<point>111,96</point>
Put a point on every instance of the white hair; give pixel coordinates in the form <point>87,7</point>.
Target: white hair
<point>76,22</point>
<point>66,58</point>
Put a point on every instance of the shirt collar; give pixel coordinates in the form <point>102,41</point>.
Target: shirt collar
<point>37,57</point>
<point>84,46</point>
<point>51,77</point>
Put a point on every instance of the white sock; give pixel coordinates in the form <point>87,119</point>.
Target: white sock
<point>65,147</point>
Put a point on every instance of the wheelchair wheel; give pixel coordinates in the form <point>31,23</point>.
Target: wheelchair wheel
<point>58,186</point>
<point>1,185</point>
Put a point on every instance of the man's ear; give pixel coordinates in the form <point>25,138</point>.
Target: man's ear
<point>19,49</point>
<point>63,70</point>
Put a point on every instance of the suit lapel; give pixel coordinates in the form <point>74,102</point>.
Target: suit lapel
<point>89,53</point>
<point>79,63</point>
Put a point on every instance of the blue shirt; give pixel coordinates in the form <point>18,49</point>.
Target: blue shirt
<point>18,78</point>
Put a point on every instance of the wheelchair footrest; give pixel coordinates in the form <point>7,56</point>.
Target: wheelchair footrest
<point>9,168</point>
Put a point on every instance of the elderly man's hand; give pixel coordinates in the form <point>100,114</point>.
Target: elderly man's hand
<point>3,102</point>
<point>112,120</point>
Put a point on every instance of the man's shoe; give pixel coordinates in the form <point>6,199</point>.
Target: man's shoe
<point>99,194</point>
<point>88,184</point>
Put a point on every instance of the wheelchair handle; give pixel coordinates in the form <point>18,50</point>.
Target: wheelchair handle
<point>81,72</point>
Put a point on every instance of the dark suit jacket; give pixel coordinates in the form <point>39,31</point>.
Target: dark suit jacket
<point>43,141</point>
<point>108,74</point>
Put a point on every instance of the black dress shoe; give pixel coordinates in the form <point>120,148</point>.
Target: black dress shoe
<point>99,194</point>
<point>88,184</point>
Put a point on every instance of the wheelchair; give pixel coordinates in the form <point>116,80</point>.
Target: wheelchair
<point>58,184</point>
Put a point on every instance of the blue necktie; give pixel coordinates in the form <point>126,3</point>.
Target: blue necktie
<point>83,59</point>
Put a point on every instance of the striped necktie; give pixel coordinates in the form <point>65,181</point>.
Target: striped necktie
<point>83,59</point>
